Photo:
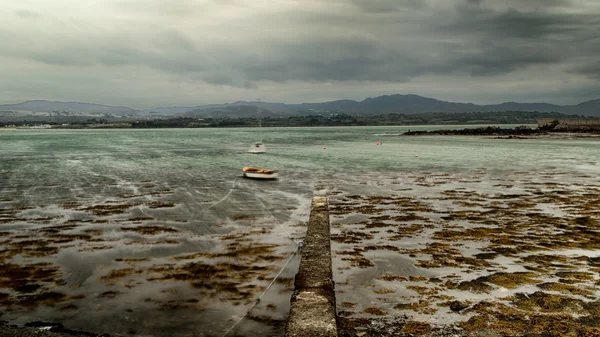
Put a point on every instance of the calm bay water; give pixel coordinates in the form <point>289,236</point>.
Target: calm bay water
<point>199,171</point>
<point>52,156</point>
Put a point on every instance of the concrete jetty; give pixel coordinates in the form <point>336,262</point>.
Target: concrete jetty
<point>312,311</point>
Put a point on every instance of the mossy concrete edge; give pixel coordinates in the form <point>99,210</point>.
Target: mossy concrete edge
<point>312,311</point>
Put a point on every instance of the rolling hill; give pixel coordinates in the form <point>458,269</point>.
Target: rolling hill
<point>403,104</point>
<point>49,106</point>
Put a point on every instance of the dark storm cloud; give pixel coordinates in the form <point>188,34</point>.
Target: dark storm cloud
<point>338,59</point>
<point>497,59</point>
<point>501,41</point>
<point>524,25</point>
<point>326,59</point>
<point>473,39</point>
<point>591,69</point>
<point>242,44</point>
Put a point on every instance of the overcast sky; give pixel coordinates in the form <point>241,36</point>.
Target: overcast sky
<point>147,53</point>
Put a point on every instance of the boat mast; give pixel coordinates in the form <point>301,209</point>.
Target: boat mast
<point>259,121</point>
<point>260,128</point>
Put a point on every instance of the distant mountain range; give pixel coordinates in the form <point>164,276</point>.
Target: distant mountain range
<point>404,104</point>
<point>49,106</point>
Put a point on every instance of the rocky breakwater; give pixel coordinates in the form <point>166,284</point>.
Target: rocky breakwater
<point>518,132</point>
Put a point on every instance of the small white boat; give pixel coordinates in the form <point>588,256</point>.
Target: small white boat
<point>257,148</point>
<point>258,173</point>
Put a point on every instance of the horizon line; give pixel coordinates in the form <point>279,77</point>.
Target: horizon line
<point>264,102</point>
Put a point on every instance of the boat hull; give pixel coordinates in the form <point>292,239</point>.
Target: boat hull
<point>257,148</point>
<point>257,175</point>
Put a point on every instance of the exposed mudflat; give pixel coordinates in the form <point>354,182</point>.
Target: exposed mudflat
<point>141,259</point>
<point>468,255</point>
<point>149,232</point>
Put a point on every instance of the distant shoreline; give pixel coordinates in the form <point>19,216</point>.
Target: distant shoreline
<point>312,120</point>
<point>114,127</point>
<point>498,131</point>
<point>520,132</point>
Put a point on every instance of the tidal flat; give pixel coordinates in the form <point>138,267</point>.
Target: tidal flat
<point>154,232</point>
<point>132,260</point>
<point>470,254</point>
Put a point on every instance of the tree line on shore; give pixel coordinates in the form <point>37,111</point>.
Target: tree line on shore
<point>332,119</point>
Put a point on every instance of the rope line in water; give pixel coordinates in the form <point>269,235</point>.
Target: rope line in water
<point>289,259</point>
<point>278,274</point>
<point>279,223</point>
<point>225,197</point>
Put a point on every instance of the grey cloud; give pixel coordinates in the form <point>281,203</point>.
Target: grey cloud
<point>513,23</point>
<point>502,41</point>
<point>528,5</point>
<point>174,40</point>
<point>384,6</point>
<point>504,59</point>
<point>389,41</point>
<point>73,58</point>
<point>485,42</point>
<point>591,70</point>
<point>340,59</point>
<point>166,46</point>
<point>27,14</point>
<point>180,9</point>
<point>352,58</point>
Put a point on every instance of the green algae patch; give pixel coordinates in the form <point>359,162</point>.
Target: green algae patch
<point>375,311</point>
<point>149,230</point>
<point>416,328</point>
<point>546,302</point>
<point>478,286</point>
<point>106,210</point>
<point>512,280</point>
<point>160,204</point>
<point>351,237</point>
<point>575,277</point>
<point>484,284</point>
<point>565,289</point>
<point>359,261</point>
<point>421,290</point>
<point>17,276</point>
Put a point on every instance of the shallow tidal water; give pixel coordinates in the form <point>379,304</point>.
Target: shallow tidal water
<point>155,232</point>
